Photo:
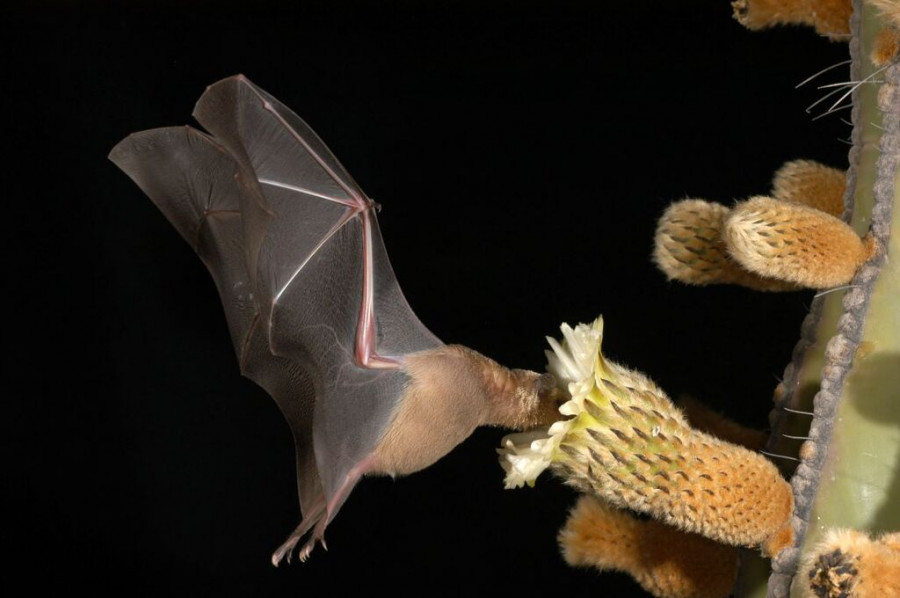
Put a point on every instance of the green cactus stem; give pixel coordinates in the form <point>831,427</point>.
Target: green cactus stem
<point>846,366</point>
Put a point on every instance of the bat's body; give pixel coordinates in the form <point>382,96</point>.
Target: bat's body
<point>315,312</point>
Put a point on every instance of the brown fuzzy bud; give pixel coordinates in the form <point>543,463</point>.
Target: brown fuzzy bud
<point>666,562</point>
<point>629,445</point>
<point>706,420</point>
<point>887,45</point>
<point>811,184</point>
<point>831,18</point>
<point>689,248</point>
<point>890,11</point>
<point>795,243</point>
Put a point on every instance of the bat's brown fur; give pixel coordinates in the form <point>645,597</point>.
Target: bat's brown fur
<point>452,390</point>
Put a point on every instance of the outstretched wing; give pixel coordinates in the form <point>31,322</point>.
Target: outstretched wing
<point>314,309</point>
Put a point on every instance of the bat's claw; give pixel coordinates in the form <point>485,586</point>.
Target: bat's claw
<point>286,550</point>
<point>307,549</point>
<point>318,535</point>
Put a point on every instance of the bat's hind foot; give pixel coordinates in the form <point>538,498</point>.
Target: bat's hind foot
<point>315,521</point>
<point>318,535</point>
<point>285,551</point>
<point>307,549</point>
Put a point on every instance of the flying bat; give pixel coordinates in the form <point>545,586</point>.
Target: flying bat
<point>312,304</point>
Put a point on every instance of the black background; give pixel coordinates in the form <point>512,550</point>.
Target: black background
<point>522,152</point>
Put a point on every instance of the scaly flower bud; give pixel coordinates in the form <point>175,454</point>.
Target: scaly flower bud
<point>689,247</point>
<point>625,442</point>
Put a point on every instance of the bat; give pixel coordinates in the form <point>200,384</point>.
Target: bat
<point>314,310</point>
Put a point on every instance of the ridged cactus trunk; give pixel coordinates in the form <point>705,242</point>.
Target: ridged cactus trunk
<point>846,366</point>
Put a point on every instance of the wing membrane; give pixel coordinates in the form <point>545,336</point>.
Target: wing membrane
<point>192,181</point>
<point>294,247</point>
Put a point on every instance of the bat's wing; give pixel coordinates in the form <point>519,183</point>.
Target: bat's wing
<point>195,183</point>
<point>314,309</point>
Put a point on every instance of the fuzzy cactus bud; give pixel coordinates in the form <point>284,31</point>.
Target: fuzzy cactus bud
<point>689,248</point>
<point>626,442</point>
<point>794,242</point>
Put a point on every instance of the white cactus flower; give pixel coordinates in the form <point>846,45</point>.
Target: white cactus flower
<point>525,455</point>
